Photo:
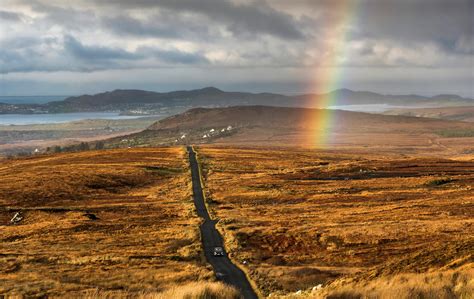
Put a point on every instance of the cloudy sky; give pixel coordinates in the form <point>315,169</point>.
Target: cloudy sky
<point>55,47</point>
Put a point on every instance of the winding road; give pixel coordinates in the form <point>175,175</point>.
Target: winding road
<point>224,269</point>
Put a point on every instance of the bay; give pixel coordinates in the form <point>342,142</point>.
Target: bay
<point>374,108</point>
<point>34,119</point>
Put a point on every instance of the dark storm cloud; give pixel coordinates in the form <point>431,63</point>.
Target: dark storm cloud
<point>240,19</point>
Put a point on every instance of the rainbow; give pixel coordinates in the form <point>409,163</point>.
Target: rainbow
<point>329,75</point>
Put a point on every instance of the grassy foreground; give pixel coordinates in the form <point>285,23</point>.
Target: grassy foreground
<point>196,290</point>
<point>346,225</point>
<point>317,224</point>
<point>118,220</point>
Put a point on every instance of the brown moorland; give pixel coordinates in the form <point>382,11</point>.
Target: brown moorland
<point>117,222</point>
<point>463,113</point>
<point>388,205</point>
<point>283,126</point>
<point>358,224</point>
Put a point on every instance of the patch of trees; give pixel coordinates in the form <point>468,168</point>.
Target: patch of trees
<point>80,147</point>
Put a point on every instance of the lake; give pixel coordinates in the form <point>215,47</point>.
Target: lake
<point>369,107</point>
<point>34,119</point>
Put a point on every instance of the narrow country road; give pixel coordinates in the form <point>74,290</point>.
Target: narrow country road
<point>224,269</point>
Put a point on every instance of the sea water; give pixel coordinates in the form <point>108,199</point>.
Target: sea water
<point>34,119</point>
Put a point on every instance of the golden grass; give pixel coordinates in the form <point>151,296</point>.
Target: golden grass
<point>214,290</point>
<point>362,226</point>
<point>146,237</point>
<point>303,218</point>
<point>448,284</point>
<point>195,290</point>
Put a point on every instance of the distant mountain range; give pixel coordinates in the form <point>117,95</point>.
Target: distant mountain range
<point>147,102</point>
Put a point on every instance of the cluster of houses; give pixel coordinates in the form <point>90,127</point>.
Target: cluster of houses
<point>209,133</point>
<point>213,132</point>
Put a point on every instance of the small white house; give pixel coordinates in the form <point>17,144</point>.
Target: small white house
<point>211,131</point>
<point>229,128</point>
<point>183,136</point>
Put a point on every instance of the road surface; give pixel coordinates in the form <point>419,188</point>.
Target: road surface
<point>224,269</point>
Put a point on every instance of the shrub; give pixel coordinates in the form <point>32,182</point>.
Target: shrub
<point>438,182</point>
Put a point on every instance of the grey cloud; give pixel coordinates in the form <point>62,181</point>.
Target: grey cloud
<point>410,22</point>
<point>8,16</point>
<point>160,26</point>
<point>71,17</point>
<point>18,43</point>
<point>26,60</point>
<point>465,44</point>
<point>93,53</point>
<point>172,56</point>
<point>388,35</point>
<point>240,19</point>
<point>29,55</point>
<point>132,26</point>
<point>437,21</point>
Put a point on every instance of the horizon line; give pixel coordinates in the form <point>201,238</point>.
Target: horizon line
<point>288,93</point>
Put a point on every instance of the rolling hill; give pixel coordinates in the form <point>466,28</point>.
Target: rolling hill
<point>463,113</point>
<point>264,125</point>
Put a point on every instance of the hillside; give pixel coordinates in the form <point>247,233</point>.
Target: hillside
<point>148,102</point>
<point>283,126</point>
<point>286,117</point>
<point>463,113</point>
